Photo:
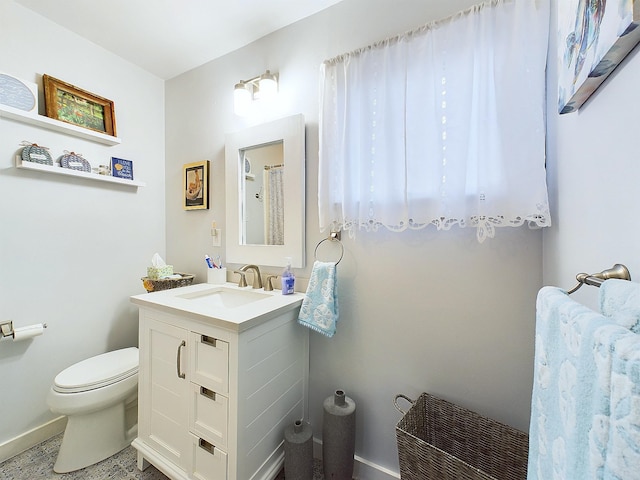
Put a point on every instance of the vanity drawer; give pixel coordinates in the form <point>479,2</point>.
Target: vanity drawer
<point>208,415</point>
<point>209,462</point>
<point>210,362</point>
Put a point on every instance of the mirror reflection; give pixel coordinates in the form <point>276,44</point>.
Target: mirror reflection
<point>263,194</point>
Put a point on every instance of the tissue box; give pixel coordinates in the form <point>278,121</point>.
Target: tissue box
<point>155,273</point>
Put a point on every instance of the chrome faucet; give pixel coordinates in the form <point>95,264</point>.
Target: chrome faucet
<point>257,278</point>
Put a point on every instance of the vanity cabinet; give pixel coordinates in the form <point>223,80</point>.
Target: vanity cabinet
<point>214,402</point>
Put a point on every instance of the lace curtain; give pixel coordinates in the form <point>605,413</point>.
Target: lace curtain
<point>274,205</point>
<point>441,126</point>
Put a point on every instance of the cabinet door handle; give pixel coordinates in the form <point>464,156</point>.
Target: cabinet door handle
<point>207,340</point>
<point>210,394</point>
<point>203,444</point>
<point>179,360</point>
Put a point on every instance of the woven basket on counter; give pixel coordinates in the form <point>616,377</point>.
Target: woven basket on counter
<point>438,440</point>
<point>167,283</point>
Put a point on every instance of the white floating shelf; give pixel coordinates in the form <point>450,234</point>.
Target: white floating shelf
<point>75,173</point>
<point>56,125</point>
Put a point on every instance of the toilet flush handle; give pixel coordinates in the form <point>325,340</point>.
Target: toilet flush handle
<point>179,360</point>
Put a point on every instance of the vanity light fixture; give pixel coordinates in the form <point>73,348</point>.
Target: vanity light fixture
<point>263,87</point>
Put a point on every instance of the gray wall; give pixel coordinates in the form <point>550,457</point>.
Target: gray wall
<point>420,311</point>
<point>72,251</point>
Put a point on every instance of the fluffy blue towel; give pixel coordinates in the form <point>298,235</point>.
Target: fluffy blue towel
<point>620,300</point>
<point>319,309</point>
<point>583,421</point>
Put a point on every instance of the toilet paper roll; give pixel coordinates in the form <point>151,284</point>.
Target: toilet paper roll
<point>30,331</point>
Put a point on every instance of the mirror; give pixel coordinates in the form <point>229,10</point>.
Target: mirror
<point>265,180</point>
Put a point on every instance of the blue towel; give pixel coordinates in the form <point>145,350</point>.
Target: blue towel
<point>620,300</point>
<point>319,309</point>
<point>576,354</point>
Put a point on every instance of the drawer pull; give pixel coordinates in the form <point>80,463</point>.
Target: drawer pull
<point>179,360</point>
<point>203,444</point>
<point>205,392</point>
<point>208,340</point>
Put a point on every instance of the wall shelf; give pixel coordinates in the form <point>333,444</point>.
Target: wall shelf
<point>75,173</point>
<point>56,125</point>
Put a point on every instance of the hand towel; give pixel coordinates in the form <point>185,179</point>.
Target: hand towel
<point>319,309</point>
<point>620,300</point>
<point>574,354</point>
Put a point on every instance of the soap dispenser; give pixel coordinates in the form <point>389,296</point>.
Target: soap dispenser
<point>288,278</point>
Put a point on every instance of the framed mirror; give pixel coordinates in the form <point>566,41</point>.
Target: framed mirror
<point>265,181</point>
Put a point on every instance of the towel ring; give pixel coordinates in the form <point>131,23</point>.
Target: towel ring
<point>332,238</point>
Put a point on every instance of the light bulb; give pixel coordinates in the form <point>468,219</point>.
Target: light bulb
<point>268,85</point>
<point>241,99</point>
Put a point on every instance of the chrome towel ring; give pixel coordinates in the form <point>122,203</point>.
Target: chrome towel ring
<point>333,237</point>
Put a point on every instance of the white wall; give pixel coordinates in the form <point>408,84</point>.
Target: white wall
<point>593,167</point>
<point>72,251</point>
<point>420,311</point>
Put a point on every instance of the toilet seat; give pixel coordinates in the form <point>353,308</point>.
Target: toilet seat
<point>97,372</point>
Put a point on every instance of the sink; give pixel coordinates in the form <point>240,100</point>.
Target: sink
<point>224,297</point>
<point>226,305</point>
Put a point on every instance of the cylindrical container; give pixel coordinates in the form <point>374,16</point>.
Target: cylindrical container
<point>338,436</point>
<point>298,451</point>
<point>217,276</point>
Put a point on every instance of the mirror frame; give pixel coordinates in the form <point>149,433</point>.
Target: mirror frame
<point>291,131</point>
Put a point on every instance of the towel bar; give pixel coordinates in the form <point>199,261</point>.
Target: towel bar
<point>334,236</point>
<point>618,271</point>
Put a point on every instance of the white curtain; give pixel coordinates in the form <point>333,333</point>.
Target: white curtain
<point>274,205</point>
<point>444,125</point>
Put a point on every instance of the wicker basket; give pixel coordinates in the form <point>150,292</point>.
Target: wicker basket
<point>167,283</point>
<point>438,440</point>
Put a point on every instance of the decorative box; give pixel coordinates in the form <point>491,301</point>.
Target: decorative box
<point>74,161</point>
<point>155,273</point>
<point>37,154</point>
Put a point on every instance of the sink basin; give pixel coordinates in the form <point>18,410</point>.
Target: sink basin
<point>226,305</point>
<point>224,297</point>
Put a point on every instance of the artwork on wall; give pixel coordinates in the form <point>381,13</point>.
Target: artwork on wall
<point>16,93</point>
<point>594,36</point>
<point>68,103</point>
<point>196,185</point>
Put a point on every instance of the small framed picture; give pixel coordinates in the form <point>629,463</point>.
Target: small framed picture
<point>68,103</point>
<point>121,168</point>
<point>196,185</point>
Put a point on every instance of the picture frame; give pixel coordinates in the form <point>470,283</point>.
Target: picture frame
<point>196,185</point>
<point>121,168</point>
<point>592,41</point>
<point>68,103</point>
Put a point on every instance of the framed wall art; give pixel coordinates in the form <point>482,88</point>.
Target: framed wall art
<point>68,103</point>
<point>196,185</point>
<point>594,36</point>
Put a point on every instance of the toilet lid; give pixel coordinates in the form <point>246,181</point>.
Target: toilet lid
<point>98,371</point>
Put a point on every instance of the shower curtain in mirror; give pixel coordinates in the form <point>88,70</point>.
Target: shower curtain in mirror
<point>441,126</point>
<point>274,205</point>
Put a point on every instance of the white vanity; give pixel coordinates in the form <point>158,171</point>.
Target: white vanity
<point>223,371</point>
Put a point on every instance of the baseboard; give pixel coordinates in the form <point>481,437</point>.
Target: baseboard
<point>363,469</point>
<point>29,439</point>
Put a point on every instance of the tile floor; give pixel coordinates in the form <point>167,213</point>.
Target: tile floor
<point>37,464</point>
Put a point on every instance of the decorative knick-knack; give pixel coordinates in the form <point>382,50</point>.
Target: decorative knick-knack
<point>338,436</point>
<point>298,451</point>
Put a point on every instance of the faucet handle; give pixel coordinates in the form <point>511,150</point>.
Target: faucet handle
<point>268,284</point>
<point>243,278</point>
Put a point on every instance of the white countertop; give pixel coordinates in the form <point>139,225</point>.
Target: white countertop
<point>201,302</point>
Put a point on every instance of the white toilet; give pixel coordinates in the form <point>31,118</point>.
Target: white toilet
<point>99,396</point>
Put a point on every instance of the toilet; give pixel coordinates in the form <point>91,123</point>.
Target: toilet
<point>99,397</point>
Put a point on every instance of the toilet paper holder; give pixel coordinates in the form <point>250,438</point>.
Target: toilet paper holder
<point>7,330</point>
